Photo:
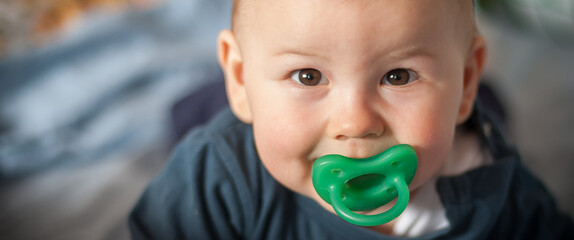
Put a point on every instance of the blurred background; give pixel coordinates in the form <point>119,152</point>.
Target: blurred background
<point>94,93</point>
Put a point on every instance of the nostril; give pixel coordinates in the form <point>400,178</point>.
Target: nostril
<point>373,135</point>
<point>370,135</point>
<point>341,131</point>
<point>341,137</point>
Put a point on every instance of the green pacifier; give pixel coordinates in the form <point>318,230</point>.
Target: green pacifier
<point>351,184</point>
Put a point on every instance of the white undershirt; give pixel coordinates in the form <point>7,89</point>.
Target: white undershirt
<point>425,212</point>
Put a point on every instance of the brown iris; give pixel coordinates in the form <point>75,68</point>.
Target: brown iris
<point>309,77</point>
<point>398,76</point>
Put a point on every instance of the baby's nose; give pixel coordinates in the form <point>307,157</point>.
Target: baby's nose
<point>355,117</point>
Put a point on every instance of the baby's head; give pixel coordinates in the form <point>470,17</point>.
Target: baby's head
<point>351,77</point>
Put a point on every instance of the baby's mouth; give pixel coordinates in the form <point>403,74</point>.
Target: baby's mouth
<point>354,155</point>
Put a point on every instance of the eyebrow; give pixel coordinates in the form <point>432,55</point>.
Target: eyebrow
<point>410,51</point>
<point>294,51</point>
<point>397,53</point>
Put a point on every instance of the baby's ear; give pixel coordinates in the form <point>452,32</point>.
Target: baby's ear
<point>231,63</point>
<point>472,71</point>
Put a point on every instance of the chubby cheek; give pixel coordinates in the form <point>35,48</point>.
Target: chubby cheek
<point>284,143</point>
<point>432,154</point>
<point>431,136</point>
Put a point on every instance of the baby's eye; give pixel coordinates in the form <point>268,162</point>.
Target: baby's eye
<point>399,76</point>
<point>308,77</point>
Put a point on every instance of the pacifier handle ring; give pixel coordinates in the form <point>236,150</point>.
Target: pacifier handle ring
<point>372,220</point>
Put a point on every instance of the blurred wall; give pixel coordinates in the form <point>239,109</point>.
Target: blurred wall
<point>531,64</point>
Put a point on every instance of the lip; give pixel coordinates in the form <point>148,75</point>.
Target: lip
<point>352,156</point>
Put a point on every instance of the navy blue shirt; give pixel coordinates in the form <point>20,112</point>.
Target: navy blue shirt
<point>215,187</point>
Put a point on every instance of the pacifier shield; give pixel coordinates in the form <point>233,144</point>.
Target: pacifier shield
<point>350,184</point>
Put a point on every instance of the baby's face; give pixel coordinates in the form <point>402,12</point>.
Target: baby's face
<point>351,78</point>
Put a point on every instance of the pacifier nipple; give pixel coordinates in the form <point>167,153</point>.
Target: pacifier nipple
<point>350,184</point>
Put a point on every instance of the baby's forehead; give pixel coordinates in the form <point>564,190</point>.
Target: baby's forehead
<point>243,10</point>
<point>247,13</point>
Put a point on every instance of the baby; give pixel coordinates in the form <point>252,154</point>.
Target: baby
<point>307,78</point>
